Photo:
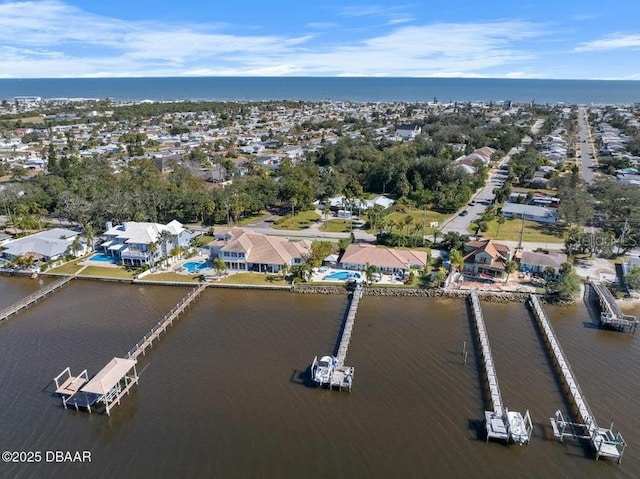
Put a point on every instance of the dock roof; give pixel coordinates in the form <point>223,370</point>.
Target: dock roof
<point>109,376</point>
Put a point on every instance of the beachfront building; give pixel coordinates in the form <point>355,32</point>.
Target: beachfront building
<point>246,251</point>
<point>46,246</point>
<point>391,261</point>
<point>137,244</point>
<point>486,259</point>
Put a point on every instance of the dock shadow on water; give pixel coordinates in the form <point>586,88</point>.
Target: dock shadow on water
<point>591,306</point>
<point>475,424</point>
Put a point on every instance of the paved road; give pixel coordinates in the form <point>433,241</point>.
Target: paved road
<point>586,147</point>
<point>484,196</point>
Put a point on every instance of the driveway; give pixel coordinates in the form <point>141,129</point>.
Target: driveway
<point>585,147</point>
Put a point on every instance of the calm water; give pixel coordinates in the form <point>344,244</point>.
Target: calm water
<point>323,88</point>
<point>221,395</point>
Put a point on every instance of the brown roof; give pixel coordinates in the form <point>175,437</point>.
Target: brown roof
<point>361,254</point>
<point>498,252</point>
<point>263,249</point>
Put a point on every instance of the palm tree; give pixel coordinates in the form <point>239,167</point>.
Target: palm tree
<point>510,267</point>
<point>219,265</point>
<point>89,234</point>
<point>163,238</point>
<point>370,271</point>
<point>75,246</point>
<point>284,269</point>
<point>153,249</point>
<point>435,235</point>
<point>302,271</point>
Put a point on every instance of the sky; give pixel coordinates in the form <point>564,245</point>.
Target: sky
<point>559,39</point>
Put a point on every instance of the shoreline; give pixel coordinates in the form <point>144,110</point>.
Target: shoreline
<point>484,295</point>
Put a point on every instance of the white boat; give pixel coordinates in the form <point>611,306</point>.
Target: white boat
<point>323,370</point>
<point>517,427</point>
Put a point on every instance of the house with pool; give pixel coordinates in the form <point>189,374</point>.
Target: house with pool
<point>390,260</point>
<point>247,251</point>
<point>137,244</point>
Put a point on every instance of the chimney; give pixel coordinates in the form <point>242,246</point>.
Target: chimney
<point>109,225</point>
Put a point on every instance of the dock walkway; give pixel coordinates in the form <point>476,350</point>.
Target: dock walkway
<point>604,441</point>
<point>33,297</point>
<point>166,321</point>
<point>611,315</point>
<point>341,376</point>
<point>117,378</point>
<point>497,421</point>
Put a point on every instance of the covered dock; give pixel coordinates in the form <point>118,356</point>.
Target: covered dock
<point>604,441</point>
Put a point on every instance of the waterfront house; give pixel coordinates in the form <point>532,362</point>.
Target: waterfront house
<point>534,262</point>
<point>247,251</point>
<point>396,261</point>
<point>486,259</point>
<point>46,245</point>
<point>137,244</point>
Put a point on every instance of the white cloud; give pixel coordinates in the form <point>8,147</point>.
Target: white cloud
<point>65,41</point>
<point>612,42</point>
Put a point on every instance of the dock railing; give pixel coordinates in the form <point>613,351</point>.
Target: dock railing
<point>166,320</point>
<point>33,297</point>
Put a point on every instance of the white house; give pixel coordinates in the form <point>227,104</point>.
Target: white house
<point>530,212</point>
<point>131,242</point>
<point>44,246</point>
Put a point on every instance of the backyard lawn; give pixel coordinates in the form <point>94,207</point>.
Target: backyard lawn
<point>420,220</point>
<point>172,277</point>
<point>68,268</point>
<point>254,278</point>
<point>97,271</point>
<point>337,226</point>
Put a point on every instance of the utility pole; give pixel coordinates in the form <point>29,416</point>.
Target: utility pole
<point>624,231</point>
<point>521,233</point>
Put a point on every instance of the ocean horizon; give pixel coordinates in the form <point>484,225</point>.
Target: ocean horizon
<point>356,89</point>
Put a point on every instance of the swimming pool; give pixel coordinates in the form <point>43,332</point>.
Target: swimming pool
<point>342,275</point>
<point>103,258</point>
<point>196,266</point>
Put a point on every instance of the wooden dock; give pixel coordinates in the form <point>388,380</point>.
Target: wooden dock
<point>496,421</point>
<point>34,297</point>
<point>604,441</point>
<point>117,378</point>
<point>611,315</point>
<point>165,322</point>
<point>348,326</point>
<point>341,376</point>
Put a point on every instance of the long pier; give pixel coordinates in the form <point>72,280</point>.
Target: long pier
<point>497,422</point>
<point>33,297</point>
<point>605,442</point>
<point>165,322</point>
<point>116,379</point>
<point>330,370</point>
<point>611,315</point>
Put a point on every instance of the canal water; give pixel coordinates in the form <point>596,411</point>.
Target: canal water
<point>224,394</point>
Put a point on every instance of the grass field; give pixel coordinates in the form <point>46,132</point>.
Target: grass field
<point>254,278</point>
<point>68,268</point>
<point>300,221</point>
<point>533,231</point>
<point>174,277</point>
<point>97,271</point>
<point>337,226</point>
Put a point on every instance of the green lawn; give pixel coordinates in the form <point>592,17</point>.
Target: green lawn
<point>68,268</point>
<point>300,221</point>
<point>100,272</point>
<point>255,278</point>
<point>172,277</point>
<point>337,226</point>
<point>533,231</point>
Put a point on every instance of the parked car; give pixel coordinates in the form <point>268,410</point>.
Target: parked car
<point>464,213</point>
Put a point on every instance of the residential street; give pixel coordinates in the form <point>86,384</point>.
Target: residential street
<point>586,147</point>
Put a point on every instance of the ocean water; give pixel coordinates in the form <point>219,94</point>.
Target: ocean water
<point>328,88</point>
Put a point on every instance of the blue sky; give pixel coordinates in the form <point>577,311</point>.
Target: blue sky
<point>573,39</point>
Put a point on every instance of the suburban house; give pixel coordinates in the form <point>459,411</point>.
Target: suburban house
<point>408,131</point>
<point>530,212</point>
<point>486,259</point>
<point>533,262</point>
<point>46,245</point>
<point>137,244</point>
<point>245,251</point>
<point>341,203</point>
<point>399,261</point>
